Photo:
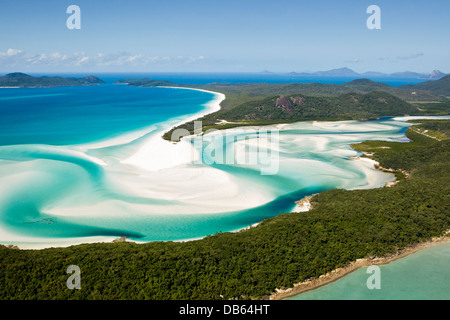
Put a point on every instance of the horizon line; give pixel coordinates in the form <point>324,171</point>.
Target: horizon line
<point>298,73</point>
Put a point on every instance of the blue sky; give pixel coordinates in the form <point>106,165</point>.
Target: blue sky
<point>220,36</point>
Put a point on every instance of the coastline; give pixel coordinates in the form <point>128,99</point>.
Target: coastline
<point>211,106</point>
<point>377,166</point>
<point>305,205</point>
<point>170,154</point>
<point>341,272</point>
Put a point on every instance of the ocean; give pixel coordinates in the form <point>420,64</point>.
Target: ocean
<point>233,77</point>
<point>73,115</point>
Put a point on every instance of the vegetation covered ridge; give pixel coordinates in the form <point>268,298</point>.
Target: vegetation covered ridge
<point>299,107</point>
<point>341,227</point>
<point>22,80</point>
<point>360,99</point>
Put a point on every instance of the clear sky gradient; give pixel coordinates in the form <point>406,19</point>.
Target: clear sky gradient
<point>224,36</point>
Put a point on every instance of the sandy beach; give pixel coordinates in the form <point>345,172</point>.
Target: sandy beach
<point>160,169</point>
<point>171,154</point>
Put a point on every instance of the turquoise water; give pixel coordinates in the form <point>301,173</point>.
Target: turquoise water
<point>421,276</point>
<point>245,77</point>
<point>72,115</point>
<point>87,164</point>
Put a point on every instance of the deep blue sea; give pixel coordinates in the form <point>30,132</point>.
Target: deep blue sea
<point>208,77</point>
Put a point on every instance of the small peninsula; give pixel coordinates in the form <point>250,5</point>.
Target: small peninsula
<point>146,83</point>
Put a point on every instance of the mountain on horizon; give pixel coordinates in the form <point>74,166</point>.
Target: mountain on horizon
<point>347,72</point>
<point>435,75</point>
<point>341,72</point>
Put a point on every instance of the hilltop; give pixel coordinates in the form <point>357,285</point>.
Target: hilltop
<point>439,87</point>
<point>301,107</point>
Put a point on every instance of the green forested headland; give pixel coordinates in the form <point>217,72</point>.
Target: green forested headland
<point>22,80</point>
<point>342,226</point>
<point>145,82</point>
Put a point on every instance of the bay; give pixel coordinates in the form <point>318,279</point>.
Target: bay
<point>88,164</point>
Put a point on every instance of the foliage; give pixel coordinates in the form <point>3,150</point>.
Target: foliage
<point>300,108</point>
<point>439,87</point>
<point>282,109</point>
<point>440,107</point>
<point>18,79</point>
<point>146,83</point>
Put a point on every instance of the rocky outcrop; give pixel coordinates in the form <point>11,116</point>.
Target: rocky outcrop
<point>121,239</point>
<point>12,247</point>
<point>284,103</point>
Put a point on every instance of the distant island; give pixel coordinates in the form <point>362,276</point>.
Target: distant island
<point>23,80</point>
<point>145,82</point>
<point>346,72</point>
